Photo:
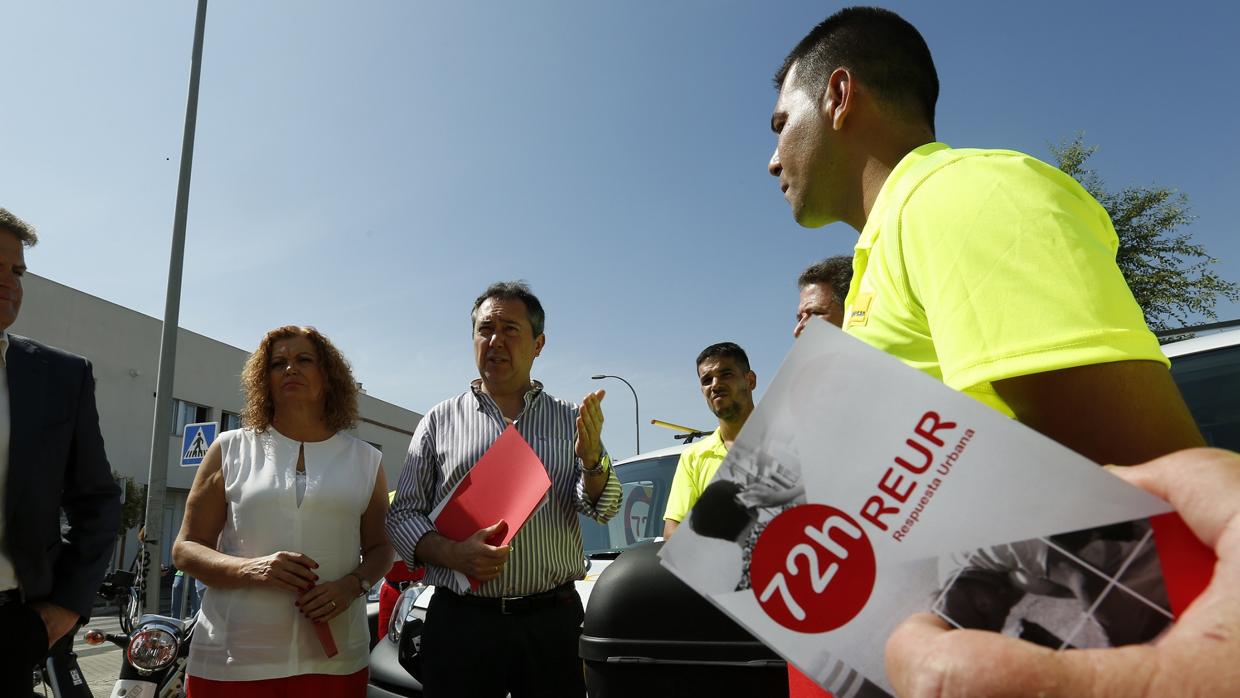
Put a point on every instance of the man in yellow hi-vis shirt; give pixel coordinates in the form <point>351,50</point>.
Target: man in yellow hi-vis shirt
<point>727,384</point>
<point>987,269</point>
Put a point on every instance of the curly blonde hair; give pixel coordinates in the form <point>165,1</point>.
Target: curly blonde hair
<point>339,400</point>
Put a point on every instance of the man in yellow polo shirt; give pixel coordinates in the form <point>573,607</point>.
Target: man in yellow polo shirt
<point>987,269</point>
<point>727,384</point>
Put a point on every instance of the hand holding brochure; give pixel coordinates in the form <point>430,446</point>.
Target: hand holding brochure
<point>506,484</point>
<point>912,497</point>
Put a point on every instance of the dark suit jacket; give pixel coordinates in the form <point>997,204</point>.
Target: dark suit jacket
<point>56,461</point>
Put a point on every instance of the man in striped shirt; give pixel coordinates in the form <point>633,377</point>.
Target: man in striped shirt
<point>517,633</point>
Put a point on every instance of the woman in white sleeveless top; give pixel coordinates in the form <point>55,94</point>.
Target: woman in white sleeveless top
<point>284,525</point>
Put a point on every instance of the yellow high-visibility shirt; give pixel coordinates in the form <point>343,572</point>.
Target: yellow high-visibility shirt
<point>980,265</point>
<point>696,468</point>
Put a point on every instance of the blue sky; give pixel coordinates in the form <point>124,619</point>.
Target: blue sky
<point>369,167</point>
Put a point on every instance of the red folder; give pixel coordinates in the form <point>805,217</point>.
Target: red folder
<point>506,484</point>
<point>324,632</point>
<point>1187,563</point>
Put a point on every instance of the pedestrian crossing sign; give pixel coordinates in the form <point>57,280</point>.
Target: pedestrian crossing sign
<point>195,442</point>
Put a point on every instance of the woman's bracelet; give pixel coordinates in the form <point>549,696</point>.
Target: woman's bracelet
<point>361,582</point>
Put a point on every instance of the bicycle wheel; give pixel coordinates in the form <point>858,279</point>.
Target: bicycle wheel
<point>129,610</point>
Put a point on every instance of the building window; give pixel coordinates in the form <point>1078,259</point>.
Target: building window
<point>229,421</point>
<point>186,413</point>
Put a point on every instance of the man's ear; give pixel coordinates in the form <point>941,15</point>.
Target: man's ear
<point>539,342</point>
<point>839,97</point>
<point>753,380</point>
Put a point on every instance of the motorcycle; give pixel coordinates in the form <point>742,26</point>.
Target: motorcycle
<point>156,647</point>
<point>156,653</point>
<point>394,658</point>
<point>60,673</point>
<point>60,676</point>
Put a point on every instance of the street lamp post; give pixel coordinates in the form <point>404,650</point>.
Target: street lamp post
<point>637,434</point>
<point>157,477</point>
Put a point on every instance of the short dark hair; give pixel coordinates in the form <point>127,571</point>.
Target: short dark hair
<point>835,272</point>
<point>23,230</point>
<point>512,290</point>
<point>728,350</point>
<point>879,46</point>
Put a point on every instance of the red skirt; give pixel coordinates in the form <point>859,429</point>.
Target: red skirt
<point>300,686</point>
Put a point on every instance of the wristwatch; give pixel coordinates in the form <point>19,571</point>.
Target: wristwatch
<point>361,580</point>
<point>601,468</point>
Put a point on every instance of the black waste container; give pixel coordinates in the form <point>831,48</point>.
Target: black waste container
<point>648,634</point>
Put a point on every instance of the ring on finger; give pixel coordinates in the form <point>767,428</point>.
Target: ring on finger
<point>333,604</point>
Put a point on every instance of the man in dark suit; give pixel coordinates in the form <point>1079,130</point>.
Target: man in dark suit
<point>51,459</point>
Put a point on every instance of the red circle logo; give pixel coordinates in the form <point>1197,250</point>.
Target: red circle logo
<point>812,569</point>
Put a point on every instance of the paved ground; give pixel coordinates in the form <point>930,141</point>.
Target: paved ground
<point>101,669</point>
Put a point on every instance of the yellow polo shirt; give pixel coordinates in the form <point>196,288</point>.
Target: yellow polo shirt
<point>696,468</point>
<point>980,265</point>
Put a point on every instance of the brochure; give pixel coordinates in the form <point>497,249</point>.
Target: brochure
<point>861,491</point>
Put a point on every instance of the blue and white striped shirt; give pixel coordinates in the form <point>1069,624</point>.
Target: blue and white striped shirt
<point>450,439</point>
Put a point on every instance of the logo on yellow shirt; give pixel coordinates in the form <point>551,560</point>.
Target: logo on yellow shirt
<point>859,314</point>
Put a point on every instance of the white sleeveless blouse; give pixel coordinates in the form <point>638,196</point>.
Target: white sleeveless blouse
<point>257,633</point>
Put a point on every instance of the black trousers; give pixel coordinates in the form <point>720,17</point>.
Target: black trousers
<point>23,646</point>
<point>478,652</point>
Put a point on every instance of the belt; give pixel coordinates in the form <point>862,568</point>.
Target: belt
<point>508,605</point>
<point>9,596</point>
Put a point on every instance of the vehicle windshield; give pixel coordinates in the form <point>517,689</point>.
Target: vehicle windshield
<point>1210,383</point>
<point>645,484</point>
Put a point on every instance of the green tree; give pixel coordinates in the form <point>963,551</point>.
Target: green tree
<point>1169,274</point>
<point>134,507</point>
